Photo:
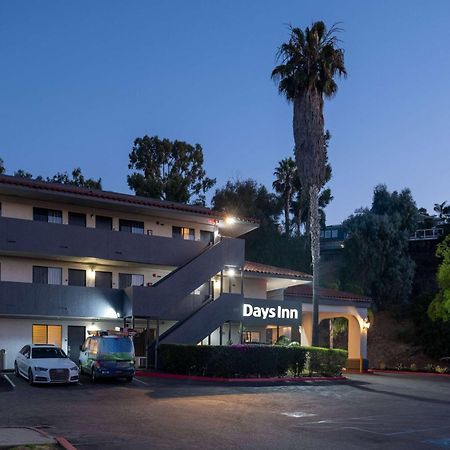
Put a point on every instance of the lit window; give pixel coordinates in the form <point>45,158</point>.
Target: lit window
<point>47,334</point>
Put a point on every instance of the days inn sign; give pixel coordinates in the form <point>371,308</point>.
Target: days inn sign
<point>273,312</point>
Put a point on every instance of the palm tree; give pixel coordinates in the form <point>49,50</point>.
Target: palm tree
<point>442,209</point>
<point>285,174</point>
<point>309,62</point>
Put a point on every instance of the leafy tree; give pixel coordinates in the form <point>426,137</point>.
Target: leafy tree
<point>376,251</point>
<point>2,167</point>
<point>285,177</point>
<point>247,198</point>
<point>77,178</point>
<point>23,174</point>
<point>440,306</point>
<point>309,62</point>
<point>168,170</point>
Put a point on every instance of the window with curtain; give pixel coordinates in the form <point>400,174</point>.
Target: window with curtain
<point>103,279</point>
<point>103,222</point>
<point>47,275</point>
<point>47,334</point>
<point>77,219</point>
<point>183,233</point>
<point>129,279</point>
<point>131,226</point>
<point>47,215</point>
<point>77,277</point>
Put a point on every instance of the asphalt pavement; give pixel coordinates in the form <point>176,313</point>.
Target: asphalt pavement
<point>367,411</point>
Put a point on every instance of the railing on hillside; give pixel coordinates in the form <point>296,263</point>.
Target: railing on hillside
<point>427,234</point>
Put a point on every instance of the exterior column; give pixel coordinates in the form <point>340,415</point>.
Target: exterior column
<point>306,335</point>
<point>354,338</point>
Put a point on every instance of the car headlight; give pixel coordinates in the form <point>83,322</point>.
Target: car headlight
<point>41,369</point>
<point>74,369</point>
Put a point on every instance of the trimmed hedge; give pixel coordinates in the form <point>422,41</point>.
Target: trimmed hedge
<point>248,361</point>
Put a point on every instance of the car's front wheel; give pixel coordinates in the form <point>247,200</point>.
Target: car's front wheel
<point>129,379</point>
<point>16,370</point>
<point>30,377</point>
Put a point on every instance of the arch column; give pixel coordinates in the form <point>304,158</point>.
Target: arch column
<point>306,328</point>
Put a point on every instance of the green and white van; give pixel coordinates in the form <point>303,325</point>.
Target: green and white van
<point>107,356</point>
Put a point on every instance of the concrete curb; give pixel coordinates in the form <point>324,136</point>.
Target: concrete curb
<point>416,373</point>
<point>64,443</point>
<point>289,380</point>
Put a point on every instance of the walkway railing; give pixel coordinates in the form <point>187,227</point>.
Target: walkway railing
<point>427,234</point>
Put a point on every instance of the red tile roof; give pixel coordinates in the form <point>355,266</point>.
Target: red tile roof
<point>111,196</point>
<point>305,290</point>
<point>272,270</point>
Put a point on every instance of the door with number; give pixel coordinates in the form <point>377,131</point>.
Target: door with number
<point>75,337</point>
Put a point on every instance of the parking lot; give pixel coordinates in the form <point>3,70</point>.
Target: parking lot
<point>371,411</point>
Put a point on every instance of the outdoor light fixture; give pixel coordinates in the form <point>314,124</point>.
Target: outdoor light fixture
<point>230,220</point>
<point>231,272</point>
<point>366,324</point>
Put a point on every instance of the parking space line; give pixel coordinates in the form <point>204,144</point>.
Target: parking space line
<point>9,380</point>
<point>139,381</point>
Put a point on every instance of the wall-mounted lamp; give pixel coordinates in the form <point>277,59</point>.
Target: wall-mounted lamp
<point>366,324</point>
<point>231,272</point>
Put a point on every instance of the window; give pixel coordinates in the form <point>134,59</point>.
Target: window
<point>183,233</point>
<point>334,233</point>
<point>128,279</point>
<point>47,275</point>
<point>77,277</point>
<point>103,279</point>
<point>77,219</point>
<point>321,234</point>
<point>103,222</point>
<point>131,226</point>
<point>47,215</point>
<point>207,236</point>
<point>47,334</point>
<point>252,336</point>
<point>327,234</point>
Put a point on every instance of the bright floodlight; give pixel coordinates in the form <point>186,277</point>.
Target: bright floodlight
<point>230,220</point>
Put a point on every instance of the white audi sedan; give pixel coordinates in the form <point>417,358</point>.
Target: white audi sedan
<point>45,363</point>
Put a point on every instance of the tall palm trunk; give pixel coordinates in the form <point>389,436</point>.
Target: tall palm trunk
<point>287,207</point>
<point>310,152</point>
<point>315,254</point>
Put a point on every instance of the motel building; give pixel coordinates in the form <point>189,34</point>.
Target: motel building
<point>74,261</point>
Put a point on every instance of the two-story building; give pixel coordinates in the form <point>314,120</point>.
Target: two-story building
<point>74,261</point>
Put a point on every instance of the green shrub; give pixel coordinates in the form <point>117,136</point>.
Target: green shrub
<point>325,361</point>
<point>250,361</point>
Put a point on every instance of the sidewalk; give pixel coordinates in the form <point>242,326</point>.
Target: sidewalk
<point>21,436</point>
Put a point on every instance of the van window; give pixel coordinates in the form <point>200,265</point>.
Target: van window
<point>117,345</point>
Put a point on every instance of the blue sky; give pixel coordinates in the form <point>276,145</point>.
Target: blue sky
<point>80,80</point>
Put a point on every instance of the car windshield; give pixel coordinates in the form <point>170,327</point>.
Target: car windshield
<point>116,345</point>
<point>47,352</point>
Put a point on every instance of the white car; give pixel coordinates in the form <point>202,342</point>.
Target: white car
<point>45,363</point>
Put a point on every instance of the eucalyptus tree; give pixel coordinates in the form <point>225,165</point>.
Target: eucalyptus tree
<point>308,65</point>
<point>284,184</point>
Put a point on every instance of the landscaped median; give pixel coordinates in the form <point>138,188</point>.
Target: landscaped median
<point>251,362</point>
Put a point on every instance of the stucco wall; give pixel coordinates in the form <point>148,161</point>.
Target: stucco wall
<point>23,209</point>
<point>21,270</point>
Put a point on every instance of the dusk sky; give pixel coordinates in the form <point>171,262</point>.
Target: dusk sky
<point>79,81</point>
